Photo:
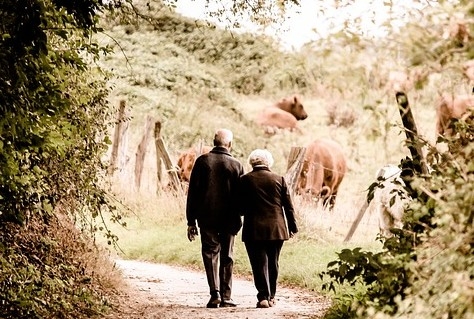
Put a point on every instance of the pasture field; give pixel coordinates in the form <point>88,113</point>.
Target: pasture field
<point>182,84</point>
<point>156,231</point>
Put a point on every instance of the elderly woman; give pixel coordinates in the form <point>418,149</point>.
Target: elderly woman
<point>267,210</point>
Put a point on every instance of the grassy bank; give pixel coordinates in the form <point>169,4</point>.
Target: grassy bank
<point>156,231</point>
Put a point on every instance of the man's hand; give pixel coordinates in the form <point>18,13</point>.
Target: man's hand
<point>192,232</point>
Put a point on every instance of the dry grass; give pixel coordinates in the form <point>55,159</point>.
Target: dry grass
<point>371,139</point>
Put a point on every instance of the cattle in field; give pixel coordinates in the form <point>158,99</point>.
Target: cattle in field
<point>285,114</point>
<point>186,161</point>
<point>390,199</point>
<point>322,171</point>
<point>468,70</point>
<point>458,31</point>
<point>450,108</point>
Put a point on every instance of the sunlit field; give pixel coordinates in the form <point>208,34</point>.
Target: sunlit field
<point>156,231</point>
<point>156,224</point>
<point>191,98</point>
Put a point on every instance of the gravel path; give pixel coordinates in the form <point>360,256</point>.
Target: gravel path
<point>167,292</point>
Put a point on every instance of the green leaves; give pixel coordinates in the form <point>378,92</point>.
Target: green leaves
<point>54,115</point>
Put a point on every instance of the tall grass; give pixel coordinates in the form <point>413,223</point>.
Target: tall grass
<point>167,75</point>
<point>156,231</point>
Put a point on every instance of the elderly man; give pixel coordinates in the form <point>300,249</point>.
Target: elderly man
<point>212,203</point>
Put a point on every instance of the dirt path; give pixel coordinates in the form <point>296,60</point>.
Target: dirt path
<point>166,292</point>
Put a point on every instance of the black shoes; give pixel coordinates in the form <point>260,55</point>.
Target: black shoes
<point>272,301</point>
<point>215,300</point>
<point>263,304</point>
<point>228,303</point>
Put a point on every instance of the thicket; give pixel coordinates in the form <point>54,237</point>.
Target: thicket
<point>53,132</point>
<point>426,269</point>
<point>251,64</point>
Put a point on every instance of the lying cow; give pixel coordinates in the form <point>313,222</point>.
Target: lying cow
<point>186,161</point>
<point>285,114</point>
<point>449,109</point>
<point>389,199</point>
<point>323,169</point>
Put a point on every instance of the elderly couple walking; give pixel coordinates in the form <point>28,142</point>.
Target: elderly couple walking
<point>219,194</point>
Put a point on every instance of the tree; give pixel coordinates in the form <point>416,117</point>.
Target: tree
<point>53,133</point>
<point>53,126</point>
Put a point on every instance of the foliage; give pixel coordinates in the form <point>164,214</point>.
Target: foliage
<point>252,64</point>
<point>425,269</point>
<point>52,136</point>
<point>51,270</point>
<point>430,257</point>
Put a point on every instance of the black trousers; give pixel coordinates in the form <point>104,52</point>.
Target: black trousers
<point>217,254</point>
<point>264,256</point>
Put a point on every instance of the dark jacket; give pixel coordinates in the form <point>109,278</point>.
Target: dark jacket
<point>212,192</point>
<point>265,204</point>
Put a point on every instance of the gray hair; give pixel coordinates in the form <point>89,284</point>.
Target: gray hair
<point>223,137</point>
<point>260,157</point>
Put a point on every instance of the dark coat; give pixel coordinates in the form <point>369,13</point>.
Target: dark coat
<point>212,192</point>
<point>265,203</point>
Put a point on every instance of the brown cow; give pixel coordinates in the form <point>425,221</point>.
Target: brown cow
<point>323,169</point>
<point>186,161</point>
<point>285,114</point>
<point>468,70</point>
<point>450,108</point>
<point>458,31</point>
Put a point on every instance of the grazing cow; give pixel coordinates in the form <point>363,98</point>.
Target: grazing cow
<point>389,199</point>
<point>186,161</point>
<point>468,70</point>
<point>458,31</point>
<point>285,114</point>
<point>449,109</point>
<point>323,169</point>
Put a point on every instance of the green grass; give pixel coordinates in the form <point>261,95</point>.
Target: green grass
<point>156,231</point>
<point>166,74</point>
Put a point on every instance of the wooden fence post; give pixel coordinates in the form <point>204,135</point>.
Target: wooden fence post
<point>295,161</point>
<point>411,133</point>
<point>357,220</point>
<point>120,128</point>
<point>141,152</point>
<point>123,157</point>
<point>415,150</point>
<point>162,156</point>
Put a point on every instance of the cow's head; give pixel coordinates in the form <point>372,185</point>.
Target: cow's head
<point>294,106</point>
<point>185,165</point>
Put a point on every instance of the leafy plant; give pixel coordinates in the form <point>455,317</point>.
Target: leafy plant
<point>53,133</point>
<point>401,275</point>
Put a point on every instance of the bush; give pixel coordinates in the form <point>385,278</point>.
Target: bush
<point>51,270</point>
<point>426,270</point>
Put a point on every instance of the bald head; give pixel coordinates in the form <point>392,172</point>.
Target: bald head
<point>223,137</point>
